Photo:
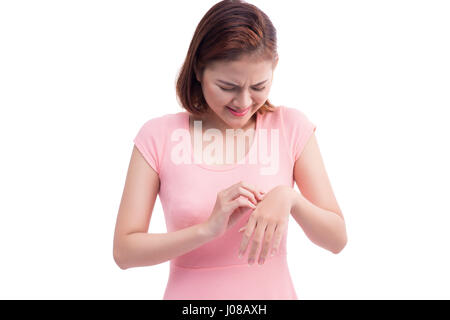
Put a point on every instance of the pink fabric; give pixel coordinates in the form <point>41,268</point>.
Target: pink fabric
<point>188,193</point>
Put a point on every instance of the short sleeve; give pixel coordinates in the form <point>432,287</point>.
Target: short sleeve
<point>149,142</point>
<point>298,129</point>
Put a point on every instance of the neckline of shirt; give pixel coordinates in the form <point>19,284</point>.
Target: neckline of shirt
<point>227,167</point>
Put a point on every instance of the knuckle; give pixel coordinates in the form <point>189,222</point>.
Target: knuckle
<point>242,201</point>
<point>263,219</point>
<point>256,241</point>
<point>279,226</point>
<point>283,226</point>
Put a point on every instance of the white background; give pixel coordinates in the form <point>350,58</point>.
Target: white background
<point>79,78</point>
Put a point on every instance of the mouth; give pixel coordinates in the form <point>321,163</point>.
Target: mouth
<point>237,112</point>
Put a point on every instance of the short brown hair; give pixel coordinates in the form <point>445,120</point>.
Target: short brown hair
<point>228,31</point>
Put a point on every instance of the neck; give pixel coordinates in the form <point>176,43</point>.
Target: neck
<point>211,121</point>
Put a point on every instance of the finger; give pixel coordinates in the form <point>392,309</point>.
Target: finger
<point>277,236</point>
<point>241,202</point>
<point>241,191</point>
<point>260,195</point>
<point>256,191</point>
<point>266,243</point>
<point>257,240</point>
<point>247,235</point>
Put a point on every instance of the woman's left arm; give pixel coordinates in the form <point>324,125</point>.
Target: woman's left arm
<point>316,209</point>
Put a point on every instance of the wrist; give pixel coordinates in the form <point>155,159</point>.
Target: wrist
<point>204,231</point>
<point>297,203</point>
<point>295,198</point>
<point>292,196</point>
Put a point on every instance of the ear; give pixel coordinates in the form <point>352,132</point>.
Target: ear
<point>196,75</point>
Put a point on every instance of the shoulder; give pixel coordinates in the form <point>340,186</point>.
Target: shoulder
<point>161,124</point>
<point>162,120</point>
<point>155,132</point>
<point>285,114</point>
<point>292,115</point>
<point>297,129</point>
<point>288,118</point>
<point>295,119</point>
<point>152,137</point>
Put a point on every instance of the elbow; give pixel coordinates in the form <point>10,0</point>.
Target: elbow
<point>119,263</point>
<point>342,242</point>
<point>341,247</point>
<point>117,259</point>
<point>338,250</point>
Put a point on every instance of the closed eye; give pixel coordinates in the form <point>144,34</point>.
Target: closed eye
<point>256,89</point>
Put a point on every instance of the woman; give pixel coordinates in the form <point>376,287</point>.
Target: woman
<point>226,204</point>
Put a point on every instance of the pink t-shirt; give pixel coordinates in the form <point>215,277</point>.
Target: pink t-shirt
<point>188,192</point>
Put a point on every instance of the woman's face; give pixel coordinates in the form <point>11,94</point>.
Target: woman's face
<point>243,85</point>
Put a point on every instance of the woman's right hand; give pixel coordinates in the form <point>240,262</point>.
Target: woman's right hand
<point>231,204</point>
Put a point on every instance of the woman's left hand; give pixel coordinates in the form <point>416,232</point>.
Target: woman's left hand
<point>268,221</point>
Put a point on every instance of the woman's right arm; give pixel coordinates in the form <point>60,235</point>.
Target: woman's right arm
<point>133,245</point>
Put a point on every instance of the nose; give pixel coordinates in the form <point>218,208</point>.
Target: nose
<point>243,100</point>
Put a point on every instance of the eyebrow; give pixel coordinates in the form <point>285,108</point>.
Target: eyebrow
<point>235,85</point>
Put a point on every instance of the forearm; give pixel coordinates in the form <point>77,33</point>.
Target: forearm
<point>146,249</point>
<point>323,227</point>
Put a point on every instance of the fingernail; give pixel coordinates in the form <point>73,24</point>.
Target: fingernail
<point>272,253</point>
<point>251,261</point>
<point>240,255</point>
<point>261,261</point>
